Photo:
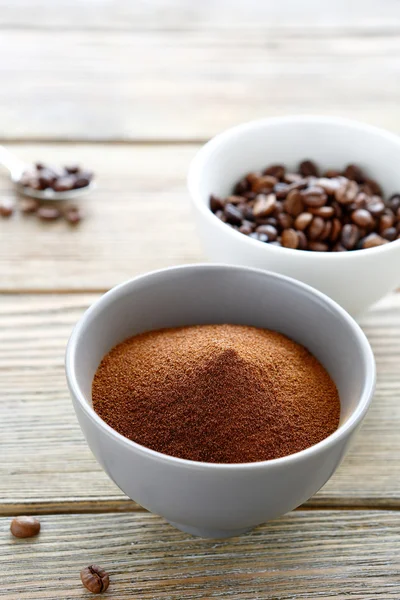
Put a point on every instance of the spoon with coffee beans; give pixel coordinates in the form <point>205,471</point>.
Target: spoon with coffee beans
<point>45,182</point>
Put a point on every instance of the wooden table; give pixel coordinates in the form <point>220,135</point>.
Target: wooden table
<point>131,89</point>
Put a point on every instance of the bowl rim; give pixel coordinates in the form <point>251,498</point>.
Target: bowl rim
<point>197,164</point>
<point>128,287</point>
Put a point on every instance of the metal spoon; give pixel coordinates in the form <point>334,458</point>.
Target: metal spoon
<point>17,168</point>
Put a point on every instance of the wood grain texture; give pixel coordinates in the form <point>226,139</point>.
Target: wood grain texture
<point>45,459</point>
<point>304,555</point>
<point>137,220</point>
<point>187,84</point>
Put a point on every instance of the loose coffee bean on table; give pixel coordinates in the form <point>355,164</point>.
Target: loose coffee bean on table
<point>24,527</point>
<point>216,393</point>
<point>95,579</point>
<point>337,211</point>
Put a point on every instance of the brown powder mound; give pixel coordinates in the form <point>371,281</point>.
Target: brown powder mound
<point>216,393</point>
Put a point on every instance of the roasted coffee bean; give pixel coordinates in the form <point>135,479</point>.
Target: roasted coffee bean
<point>216,203</point>
<point>394,202</point>
<point>284,221</point>
<point>234,200</point>
<point>386,220</point>
<point>28,205</point>
<point>232,214</point>
<point>277,171</point>
<point>248,213</point>
<point>292,178</point>
<point>294,204</point>
<point>264,205</point>
<point>73,215</point>
<point>6,208</point>
<point>246,229</point>
<point>331,173</point>
<point>250,195</point>
<point>281,190</point>
<point>290,238</point>
<point>336,229</point>
<point>375,206</point>
<point>221,216</point>
<point>47,178</point>
<point>314,197</point>
<point>48,213</point>
<point>339,248</point>
<point>316,228</point>
<point>318,247</point>
<point>390,234</point>
<point>307,168</point>
<point>325,212</point>
<point>354,173</point>
<point>303,220</point>
<point>350,236</point>
<point>328,185</point>
<point>326,231</point>
<point>81,182</point>
<point>362,218</point>
<point>302,240</point>
<point>24,527</point>
<point>95,579</point>
<point>347,192</point>
<point>338,209</point>
<point>374,186</point>
<point>373,240</point>
<point>241,187</point>
<point>299,184</point>
<point>261,237</point>
<point>64,184</point>
<point>263,184</point>
<point>269,230</point>
<point>72,169</point>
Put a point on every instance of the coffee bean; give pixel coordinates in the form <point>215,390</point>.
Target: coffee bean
<point>374,186</point>
<point>362,218</point>
<point>277,171</point>
<point>339,248</point>
<point>349,237</point>
<point>232,214</point>
<point>325,212</point>
<point>281,190</point>
<point>299,184</point>
<point>386,220</point>
<point>95,579</point>
<point>263,184</point>
<point>64,184</point>
<point>24,527</point>
<point>6,208</point>
<point>318,247</point>
<point>302,240</point>
<point>347,192</point>
<point>307,167</point>
<point>373,240</point>
<point>264,205</point>
<point>249,195</point>
<point>303,220</point>
<point>221,216</point>
<point>216,203</point>
<point>390,234</point>
<point>233,200</point>
<point>394,202</point>
<point>326,231</point>
<point>354,172</point>
<point>338,209</point>
<point>81,182</point>
<point>241,187</point>
<point>72,169</point>
<point>261,237</point>
<point>285,221</point>
<point>328,185</point>
<point>73,215</point>
<point>375,206</point>
<point>292,178</point>
<point>28,205</point>
<point>331,173</point>
<point>246,227</point>
<point>316,228</point>
<point>294,204</point>
<point>336,229</point>
<point>290,238</point>
<point>269,230</point>
<point>314,197</point>
<point>48,213</point>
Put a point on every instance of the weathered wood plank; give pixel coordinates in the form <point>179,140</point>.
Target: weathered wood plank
<point>137,220</point>
<point>304,555</point>
<point>45,459</point>
<point>190,84</point>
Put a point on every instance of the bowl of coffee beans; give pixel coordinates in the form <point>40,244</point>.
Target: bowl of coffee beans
<point>218,396</point>
<point>315,198</point>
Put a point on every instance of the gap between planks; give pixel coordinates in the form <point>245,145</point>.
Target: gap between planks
<point>128,506</point>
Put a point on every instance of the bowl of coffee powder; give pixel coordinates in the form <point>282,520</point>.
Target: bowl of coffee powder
<point>219,397</point>
<point>315,198</point>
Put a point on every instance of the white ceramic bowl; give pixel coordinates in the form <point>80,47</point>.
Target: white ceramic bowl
<point>220,500</point>
<point>355,279</point>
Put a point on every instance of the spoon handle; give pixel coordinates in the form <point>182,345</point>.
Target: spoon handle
<point>13,164</point>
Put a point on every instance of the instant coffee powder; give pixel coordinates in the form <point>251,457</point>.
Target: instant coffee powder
<point>216,393</point>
